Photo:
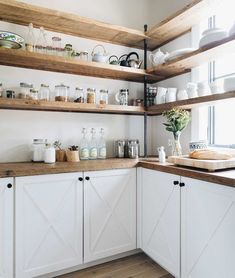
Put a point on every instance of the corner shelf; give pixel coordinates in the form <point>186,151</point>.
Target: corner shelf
<point>188,61</point>
<point>32,60</point>
<point>71,24</point>
<point>190,103</point>
<point>56,106</point>
<point>180,22</point>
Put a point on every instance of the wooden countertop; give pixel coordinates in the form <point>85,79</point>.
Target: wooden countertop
<point>30,169</point>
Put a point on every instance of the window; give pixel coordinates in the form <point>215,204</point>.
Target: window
<point>221,129</point>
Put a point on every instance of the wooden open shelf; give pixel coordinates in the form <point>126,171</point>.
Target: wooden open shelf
<point>190,103</point>
<point>196,58</point>
<point>32,60</point>
<point>36,105</point>
<point>180,22</point>
<point>58,21</point>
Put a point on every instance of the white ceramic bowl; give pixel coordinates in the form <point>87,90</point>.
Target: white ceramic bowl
<point>229,83</point>
<point>212,35</point>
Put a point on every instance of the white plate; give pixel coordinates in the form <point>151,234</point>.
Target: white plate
<point>213,37</point>
<point>177,53</point>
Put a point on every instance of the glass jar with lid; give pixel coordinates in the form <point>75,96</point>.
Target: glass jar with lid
<point>44,92</point>
<point>61,92</point>
<point>91,95</point>
<point>33,94</point>
<point>83,55</point>
<point>68,50</point>
<point>79,95</point>
<point>104,96</point>
<point>25,90</point>
<point>38,149</point>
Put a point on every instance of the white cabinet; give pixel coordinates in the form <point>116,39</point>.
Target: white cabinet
<point>109,213</point>
<point>208,230</point>
<point>6,228</point>
<point>49,223</point>
<point>160,219</point>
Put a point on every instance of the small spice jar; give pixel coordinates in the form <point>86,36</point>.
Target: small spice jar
<point>79,95</point>
<point>33,94</point>
<point>61,93</point>
<point>68,50</point>
<point>91,95</point>
<point>25,90</point>
<point>104,96</point>
<point>44,92</point>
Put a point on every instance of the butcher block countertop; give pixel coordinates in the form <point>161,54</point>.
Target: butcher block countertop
<point>30,169</point>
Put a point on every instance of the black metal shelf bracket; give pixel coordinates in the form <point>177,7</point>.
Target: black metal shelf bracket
<point>145,95</point>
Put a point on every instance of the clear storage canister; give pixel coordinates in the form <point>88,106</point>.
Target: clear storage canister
<point>38,149</point>
<point>25,90</point>
<point>104,96</point>
<point>61,93</point>
<point>33,94</point>
<point>44,92</point>
<point>79,95</point>
<point>91,95</point>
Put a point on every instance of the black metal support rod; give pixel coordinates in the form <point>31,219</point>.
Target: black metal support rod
<point>145,95</point>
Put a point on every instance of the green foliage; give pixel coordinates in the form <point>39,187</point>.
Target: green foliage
<point>73,148</point>
<point>177,120</point>
<point>57,145</point>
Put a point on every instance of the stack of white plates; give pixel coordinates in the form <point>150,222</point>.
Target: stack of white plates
<point>212,35</point>
<point>178,53</point>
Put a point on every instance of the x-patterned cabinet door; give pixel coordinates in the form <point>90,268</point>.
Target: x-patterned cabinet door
<point>109,213</point>
<point>208,230</point>
<point>6,227</point>
<point>49,223</point>
<point>161,219</point>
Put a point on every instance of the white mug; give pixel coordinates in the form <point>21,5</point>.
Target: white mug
<point>161,95</point>
<point>171,94</point>
<point>192,90</point>
<point>182,94</point>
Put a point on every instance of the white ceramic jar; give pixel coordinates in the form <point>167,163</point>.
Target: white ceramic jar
<point>171,94</point>
<point>38,150</point>
<point>203,89</point>
<point>161,95</point>
<point>192,90</point>
<point>49,154</point>
<point>182,95</point>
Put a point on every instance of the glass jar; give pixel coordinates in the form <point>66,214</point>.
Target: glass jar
<point>83,56</point>
<point>79,95</point>
<point>25,90</point>
<point>61,93</point>
<point>38,149</point>
<point>91,95</point>
<point>104,96</point>
<point>1,90</point>
<point>122,97</point>
<point>33,94</point>
<point>10,94</point>
<point>56,46</point>
<point>68,50</point>
<point>44,92</point>
<point>49,154</point>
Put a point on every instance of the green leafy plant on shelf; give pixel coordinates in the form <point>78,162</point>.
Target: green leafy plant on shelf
<point>177,121</point>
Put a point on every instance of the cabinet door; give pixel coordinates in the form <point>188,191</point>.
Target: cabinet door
<point>208,230</point>
<point>49,212</point>
<point>109,213</point>
<point>6,228</point>
<point>161,219</point>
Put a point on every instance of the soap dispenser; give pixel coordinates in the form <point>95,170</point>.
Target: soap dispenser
<point>161,154</point>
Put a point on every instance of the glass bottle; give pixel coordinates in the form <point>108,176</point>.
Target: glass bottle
<point>102,146</point>
<point>93,150</point>
<point>44,92</point>
<point>30,40</point>
<point>84,146</point>
<point>104,96</point>
<point>79,95</point>
<point>41,43</point>
<point>91,95</point>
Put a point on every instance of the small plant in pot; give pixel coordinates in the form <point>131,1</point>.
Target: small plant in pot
<point>72,154</point>
<point>60,153</point>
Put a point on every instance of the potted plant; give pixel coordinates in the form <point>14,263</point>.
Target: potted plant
<point>177,121</point>
<point>72,154</point>
<point>60,153</point>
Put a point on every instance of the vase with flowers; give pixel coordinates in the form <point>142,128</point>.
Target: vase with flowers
<point>177,121</point>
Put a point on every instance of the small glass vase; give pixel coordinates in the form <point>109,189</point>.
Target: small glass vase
<point>175,144</point>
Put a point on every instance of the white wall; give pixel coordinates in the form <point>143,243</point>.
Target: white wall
<point>18,128</point>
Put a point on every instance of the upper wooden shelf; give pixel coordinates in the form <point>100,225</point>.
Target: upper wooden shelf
<point>180,22</point>
<point>36,105</point>
<point>32,60</point>
<point>196,58</point>
<point>71,24</point>
<point>190,103</point>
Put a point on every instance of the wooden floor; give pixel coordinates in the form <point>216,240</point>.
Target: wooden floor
<point>136,266</point>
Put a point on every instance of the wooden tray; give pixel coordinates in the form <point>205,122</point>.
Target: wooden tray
<point>210,165</point>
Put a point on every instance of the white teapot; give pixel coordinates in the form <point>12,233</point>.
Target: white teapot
<point>158,57</point>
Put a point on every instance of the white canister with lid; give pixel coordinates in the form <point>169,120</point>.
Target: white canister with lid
<point>49,154</point>
<point>38,150</point>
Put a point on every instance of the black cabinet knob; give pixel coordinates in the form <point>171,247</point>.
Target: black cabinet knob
<point>80,179</point>
<point>175,182</point>
<point>9,185</point>
<point>87,178</point>
<point>182,184</point>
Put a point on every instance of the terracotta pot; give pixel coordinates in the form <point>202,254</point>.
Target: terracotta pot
<point>72,156</point>
<point>60,155</point>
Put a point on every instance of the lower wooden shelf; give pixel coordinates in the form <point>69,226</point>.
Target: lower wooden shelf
<point>189,103</point>
<point>36,105</point>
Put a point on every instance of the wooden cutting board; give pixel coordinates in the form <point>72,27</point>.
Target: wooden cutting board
<point>210,165</point>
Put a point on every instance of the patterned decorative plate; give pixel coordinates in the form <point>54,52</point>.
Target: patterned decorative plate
<point>10,40</point>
